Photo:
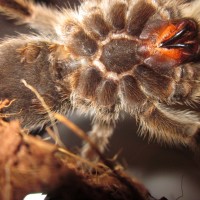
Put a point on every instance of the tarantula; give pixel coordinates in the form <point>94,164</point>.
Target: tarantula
<point>105,58</point>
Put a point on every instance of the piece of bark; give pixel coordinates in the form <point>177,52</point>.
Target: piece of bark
<point>28,165</point>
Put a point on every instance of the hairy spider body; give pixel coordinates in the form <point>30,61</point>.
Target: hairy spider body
<point>106,58</point>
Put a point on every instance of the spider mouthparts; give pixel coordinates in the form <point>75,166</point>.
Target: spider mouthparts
<point>174,42</point>
<point>183,37</point>
<point>190,47</point>
<point>173,39</point>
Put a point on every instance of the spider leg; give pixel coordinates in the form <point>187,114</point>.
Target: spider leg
<point>39,17</point>
<point>100,134</point>
<point>30,62</point>
<point>168,125</point>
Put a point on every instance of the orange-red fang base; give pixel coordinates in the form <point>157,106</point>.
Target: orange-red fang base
<point>171,43</point>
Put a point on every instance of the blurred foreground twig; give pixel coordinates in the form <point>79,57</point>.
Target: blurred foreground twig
<point>29,164</point>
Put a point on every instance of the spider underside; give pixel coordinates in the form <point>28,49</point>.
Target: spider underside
<point>106,59</point>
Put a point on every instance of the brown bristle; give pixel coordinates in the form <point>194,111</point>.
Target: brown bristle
<point>81,44</point>
<point>88,82</point>
<point>161,123</point>
<point>138,16</point>
<point>119,55</point>
<point>181,91</point>
<point>97,26</point>
<point>106,93</point>
<point>153,82</point>
<point>74,79</point>
<point>130,90</point>
<point>162,65</point>
<point>63,69</point>
<point>29,53</point>
<point>118,15</point>
<point>13,5</point>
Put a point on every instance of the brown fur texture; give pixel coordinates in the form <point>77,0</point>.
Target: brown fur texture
<point>106,58</point>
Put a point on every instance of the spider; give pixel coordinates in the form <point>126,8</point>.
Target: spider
<point>106,58</point>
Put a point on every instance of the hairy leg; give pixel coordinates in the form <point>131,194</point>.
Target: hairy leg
<point>169,125</point>
<point>39,17</point>
<point>100,134</point>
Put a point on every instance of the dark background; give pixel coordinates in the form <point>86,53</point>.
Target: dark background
<point>163,170</point>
